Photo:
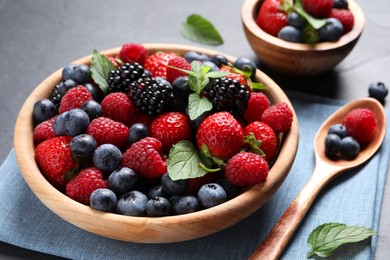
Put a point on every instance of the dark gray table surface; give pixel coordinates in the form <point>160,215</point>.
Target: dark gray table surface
<point>38,37</point>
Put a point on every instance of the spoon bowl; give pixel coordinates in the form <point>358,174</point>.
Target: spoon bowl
<point>324,171</point>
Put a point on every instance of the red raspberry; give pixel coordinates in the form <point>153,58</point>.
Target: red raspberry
<point>361,124</point>
<point>132,52</point>
<point>178,62</point>
<point>318,8</point>
<point>53,157</point>
<point>245,169</point>
<point>44,131</point>
<point>74,98</point>
<point>345,17</point>
<point>279,117</point>
<point>144,158</point>
<point>221,133</point>
<point>271,18</point>
<point>81,186</point>
<point>108,131</point>
<point>119,107</point>
<point>235,76</point>
<point>170,128</point>
<point>257,104</point>
<point>157,63</point>
<point>267,136</point>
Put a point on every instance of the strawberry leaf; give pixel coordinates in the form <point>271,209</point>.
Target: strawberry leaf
<point>314,22</point>
<point>198,105</point>
<point>198,29</point>
<point>100,68</point>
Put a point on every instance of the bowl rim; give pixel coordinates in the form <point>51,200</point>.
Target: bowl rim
<point>149,229</point>
<point>249,12</point>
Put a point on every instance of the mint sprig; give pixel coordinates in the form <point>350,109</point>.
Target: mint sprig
<point>198,29</point>
<point>314,22</point>
<point>327,237</point>
<point>100,69</point>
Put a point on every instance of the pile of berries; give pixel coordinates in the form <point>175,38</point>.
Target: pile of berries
<point>306,21</point>
<point>345,140</point>
<point>131,140</point>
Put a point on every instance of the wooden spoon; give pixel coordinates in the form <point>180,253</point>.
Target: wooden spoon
<point>325,170</point>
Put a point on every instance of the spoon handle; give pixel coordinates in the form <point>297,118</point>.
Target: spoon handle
<point>277,239</point>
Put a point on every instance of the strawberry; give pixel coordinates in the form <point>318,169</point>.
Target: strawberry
<point>108,131</point>
<point>345,17</point>
<point>222,135</point>
<point>170,128</point>
<point>133,52</point>
<point>53,157</point>
<point>318,8</point>
<point>144,158</point>
<point>271,18</point>
<point>279,117</point>
<point>44,131</point>
<point>157,63</point>
<point>178,62</point>
<point>361,124</point>
<point>245,169</point>
<point>267,136</point>
<point>74,98</point>
<point>257,104</point>
<point>233,75</point>
<point>81,186</point>
<point>118,107</point>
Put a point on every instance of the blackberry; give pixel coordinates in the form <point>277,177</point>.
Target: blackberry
<point>227,95</point>
<point>120,79</point>
<point>152,97</point>
<point>60,90</point>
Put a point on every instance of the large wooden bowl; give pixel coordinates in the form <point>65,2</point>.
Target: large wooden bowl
<point>147,229</point>
<point>298,59</point>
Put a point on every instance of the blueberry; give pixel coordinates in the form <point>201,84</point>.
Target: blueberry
<point>295,20</point>
<point>230,189</point>
<point>194,55</point>
<point>378,90</point>
<point>76,122</point>
<point>68,71</point>
<point>82,147</point>
<point>332,30</point>
<point>157,191</point>
<point>340,4</point>
<point>210,195</point>
<point>219,60</point>
<point>107,157</point>
<point>290,34</point>
<point>158,207</point>
<point>59,123</point>
<point>212,65</point>
<point>79,73</point>
<point>103,199</point>
<point>96,92</point>
<point>332,144</point>
<point>43,110</point>
<point>132,203</point>
<point>338,129</point>
<point>243,61</point>
<point>93,109</point>
<point>350,148</point>
<point>137,132</point>
<point>173,187</point>
<point>185,204</point>
<point>163,81</point>
<point>122,180</point>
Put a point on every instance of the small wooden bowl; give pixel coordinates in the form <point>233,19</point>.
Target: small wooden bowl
<point>298,59</point>
<point>147,229</point>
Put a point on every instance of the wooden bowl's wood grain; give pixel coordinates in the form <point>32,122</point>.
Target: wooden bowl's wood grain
<point>146,229</point>
<point>297,59</point>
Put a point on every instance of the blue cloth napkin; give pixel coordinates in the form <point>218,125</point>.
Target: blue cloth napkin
<point>354,199</point>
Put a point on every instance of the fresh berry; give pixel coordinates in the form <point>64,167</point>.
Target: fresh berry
<point>230,189</point>
<point>195,56</point>
<point>349,147</point>
<point>43,110</point>
<point>132,203</point>
<point>267,136</point>
<point>257,104</point>
<point>181,91</point>
<point>345,17</point>
<point>290,34</point>
<point>184,205</point>
<point>119,107</point>
<point>241,62</point>
<point>133,52</point>
<point>79,73</point>
<point>157,191</point>
<point>158,207</point>
<point>93,109</point>
<point>122,180</point>
<point>172,187</point>
<point>194,184</point>
<point>245,169</point>
<point>271,18</point>
<point>74,98</point>
<point>222,135</point>
<point>170,128</point>
<point>318,8</point>
<point>143,119</point>
<point>294,19</point>
<point>338,129</point>
<point>103,199</point>
<point>212,65</point>
<point>137,132</point>
<point>279,117</point>
<point>96,92</point>
<point>60,90</point>
<point>59,123</point>
<point>211,195</point>
<point>75,122</point>
<point>54,159</point>
<point>144,157</point>
<point>157,63</point>
<point>331,31</point>
<point>106,130</point>
<point>44,131</point>
<point>107,157</point>
<point>233,75</point>
<point>219,60</point>
<point>340,4</point>
<point>120,79</point>
<point>82,147</point>
<point>178,62</point>
<point>361,124</point>
<point>332,144</point>
<point>115,61</point>
<point>378,90</point>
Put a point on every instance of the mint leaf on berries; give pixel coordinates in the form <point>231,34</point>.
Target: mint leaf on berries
<point>198,29</point>
<point>329,236</point>
<point>314,22</point>
<point>197,105</point>
<point>100,68</point>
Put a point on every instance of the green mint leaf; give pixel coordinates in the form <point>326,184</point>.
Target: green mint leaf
<point>184,161</point>
<point>194,84</point>
<point>198,29</point>
<point>329,236</point>
<point>316,23</point>
<point>100,68</point>
<point>217,74</point>
<point>310,35</point>
<point>198,105</point>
